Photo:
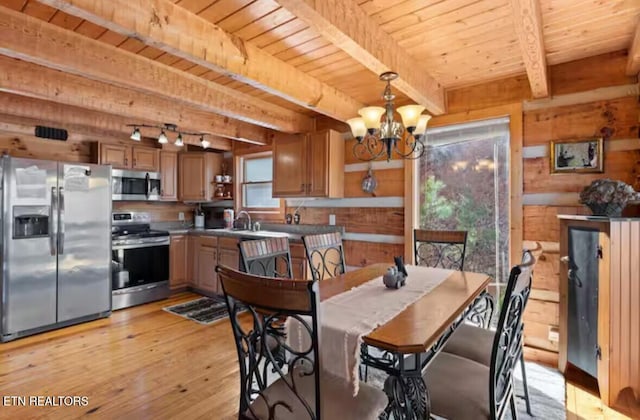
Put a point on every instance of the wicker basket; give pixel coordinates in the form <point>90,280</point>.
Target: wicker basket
<point>606,209</point>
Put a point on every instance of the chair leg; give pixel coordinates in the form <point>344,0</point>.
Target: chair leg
<point>524,384</point>
<point>514,409</point>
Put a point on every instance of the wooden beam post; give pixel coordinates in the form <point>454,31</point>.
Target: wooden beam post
<point>633,62</point>
<point>30,39</point>
<point>527,21</point>
<point>22,78</point>
<point>178,31</point>
<point>350,28</point>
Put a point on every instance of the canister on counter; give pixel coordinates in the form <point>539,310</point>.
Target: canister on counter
<point>228,216</point>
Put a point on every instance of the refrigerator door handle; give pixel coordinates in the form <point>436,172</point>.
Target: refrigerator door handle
<point>52,209</point>
<point>61,221</point>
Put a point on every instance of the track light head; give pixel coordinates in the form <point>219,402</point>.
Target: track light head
<point>179,141</point>
<point>162,138</point>
<point>135,135</point>
<point>204,143</point>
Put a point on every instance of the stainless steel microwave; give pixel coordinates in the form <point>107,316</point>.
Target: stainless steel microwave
<point>135,185</point>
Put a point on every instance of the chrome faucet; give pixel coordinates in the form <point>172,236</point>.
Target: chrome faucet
<point>240,213</point>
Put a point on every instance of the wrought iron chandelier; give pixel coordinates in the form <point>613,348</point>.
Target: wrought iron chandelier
<point>375,137</point>
<point>162,137</point>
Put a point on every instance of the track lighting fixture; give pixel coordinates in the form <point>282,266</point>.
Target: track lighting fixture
<point>135,135</point>
<point>169,128</point>
<point>162,138</point>
<point>179,141</point>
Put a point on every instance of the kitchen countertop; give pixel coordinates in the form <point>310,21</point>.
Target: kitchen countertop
<point>268,230</point>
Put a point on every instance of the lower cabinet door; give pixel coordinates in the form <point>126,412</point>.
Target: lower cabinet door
<point>178,262</point>
<point>207,276</point>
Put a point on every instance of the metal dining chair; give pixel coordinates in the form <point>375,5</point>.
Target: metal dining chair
<point>268,257</point>
<point>325,254</point>
<point>447,249</point>
<point>474,343</point>
<point>300,389</point>
<point>461,388</point>
<point>440,248</point>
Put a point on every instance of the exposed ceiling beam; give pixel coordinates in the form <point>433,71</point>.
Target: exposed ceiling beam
<point>633,62</point>
<point>27,79</point>
<point>527,21</point>
<point>178,31</point>
<point>22,110</point>
<point>31,39</point>
<point>349,27</point>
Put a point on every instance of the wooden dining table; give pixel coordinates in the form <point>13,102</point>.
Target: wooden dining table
<point>408,342</point>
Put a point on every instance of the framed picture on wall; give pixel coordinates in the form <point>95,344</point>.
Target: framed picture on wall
<point>584,156</point>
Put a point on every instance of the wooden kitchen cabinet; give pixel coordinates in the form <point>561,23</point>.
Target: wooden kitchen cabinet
<point>144,159</point>
<point>121,156</point>
<point>599,300</point>
<point>116,155</point>
<point>178,262</point>
<point>309,166</point>
<point>197,171</point>
<point>207,259</point>
<point>168,175</point>
<point>299,265</point>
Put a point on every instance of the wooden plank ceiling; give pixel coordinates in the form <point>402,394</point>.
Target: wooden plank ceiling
<point>458,42</point>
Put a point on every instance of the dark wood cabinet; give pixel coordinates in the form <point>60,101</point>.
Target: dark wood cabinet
<point>144,159</point>
<point>116,155</point>
<point>197,171</point>
<point>122,156</point>
<point>178,262</point>
<point>309,166</point>
<point>168,175</point>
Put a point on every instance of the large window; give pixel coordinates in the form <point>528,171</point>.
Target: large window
<point>257,183</point>
<point>464,185</point>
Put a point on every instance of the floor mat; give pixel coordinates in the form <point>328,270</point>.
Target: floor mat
<point>204,311</point>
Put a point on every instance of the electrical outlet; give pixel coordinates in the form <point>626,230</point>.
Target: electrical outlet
<point>554,334</point>
<point>181,216</point>
<point>332,219</point>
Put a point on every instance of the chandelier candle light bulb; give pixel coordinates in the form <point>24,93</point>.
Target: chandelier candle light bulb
<point>371,116</point>
<point>410,116</point>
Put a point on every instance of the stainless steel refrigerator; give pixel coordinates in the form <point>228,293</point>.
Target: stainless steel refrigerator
<point>56,245</point>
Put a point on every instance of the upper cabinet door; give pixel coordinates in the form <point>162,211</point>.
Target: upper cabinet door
<point>192,177</point>
<point>318,169</point>
<point>289,166</point>
<point>169,175</point>
<point>116,155</point>
<point>145,159</point>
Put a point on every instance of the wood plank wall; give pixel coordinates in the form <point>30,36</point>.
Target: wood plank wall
<point>588,95</point>
<point>624,357</point>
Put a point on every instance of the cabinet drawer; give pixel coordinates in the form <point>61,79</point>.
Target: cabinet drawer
<point>228,243</point>
<point>208,241</point>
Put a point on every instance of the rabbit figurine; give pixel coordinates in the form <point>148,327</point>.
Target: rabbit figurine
<point>393,278</point>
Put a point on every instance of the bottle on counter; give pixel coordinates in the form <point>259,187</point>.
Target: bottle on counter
<point>228,216</point>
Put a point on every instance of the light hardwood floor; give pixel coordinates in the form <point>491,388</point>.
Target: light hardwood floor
<point>145,363</point>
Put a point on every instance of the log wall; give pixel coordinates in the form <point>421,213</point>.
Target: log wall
<point>587,96</point>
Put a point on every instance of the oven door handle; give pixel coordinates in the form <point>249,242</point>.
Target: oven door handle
<point>135,246</point>
<point>147,185</point>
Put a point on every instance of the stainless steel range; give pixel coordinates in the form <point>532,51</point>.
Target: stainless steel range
<point>140,260</point>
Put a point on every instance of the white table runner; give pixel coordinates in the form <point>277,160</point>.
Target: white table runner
<point>351,315</point>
